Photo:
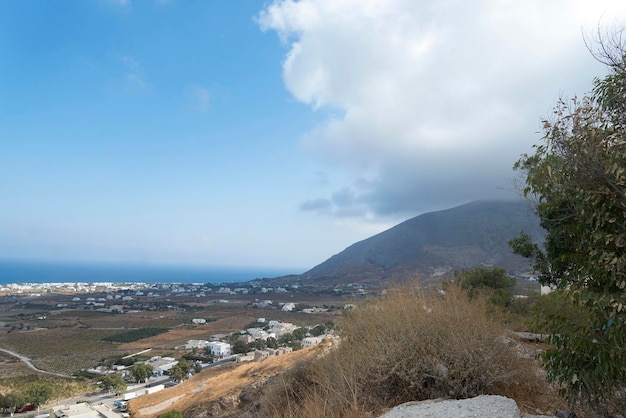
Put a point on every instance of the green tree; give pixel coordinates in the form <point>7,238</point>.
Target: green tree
<point>39,393</point>
<point>259,344</point>
<point>114,381</point>
<point>141,372</point>
<point>177,373</point>
<point>300,333</point>
<point>318,330</point>
<point>271,342</point>
<point>285,338</point>
<point>185,366</point>
<point>13,400</point>
<point>239,347</point>
<point>197,368</point>
<point>577,181</point>
<point>494,281</point>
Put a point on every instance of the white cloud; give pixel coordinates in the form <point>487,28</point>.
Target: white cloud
<point>433,101</point>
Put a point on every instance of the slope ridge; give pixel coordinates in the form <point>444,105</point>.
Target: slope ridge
<point>436,243</point>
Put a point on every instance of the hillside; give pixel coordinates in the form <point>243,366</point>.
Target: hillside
<point>232,388</point>
<point>434,245</point>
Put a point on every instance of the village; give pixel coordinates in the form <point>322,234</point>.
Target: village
<point>271,338</point>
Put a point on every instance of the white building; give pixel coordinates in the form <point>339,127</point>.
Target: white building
<point>219,349</point>
<point>258,333</point>
<point>161,364</point>
<point>311,341</point>
<point>281,328</point>
<point>199,321</point>
<point>191,344</point>
<point>288,307</point>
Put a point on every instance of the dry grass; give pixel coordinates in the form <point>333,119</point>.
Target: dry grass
<point>215,384</point>
<point>409,346</point>
<point>180,335</point>
<point>65,350</point>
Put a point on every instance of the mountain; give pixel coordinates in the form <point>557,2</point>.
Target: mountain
<point>435,244</point>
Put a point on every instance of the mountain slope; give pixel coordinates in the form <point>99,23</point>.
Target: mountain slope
<point>435,243</point>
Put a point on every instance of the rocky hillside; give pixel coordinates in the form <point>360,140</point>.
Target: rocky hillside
<point>434,244</point>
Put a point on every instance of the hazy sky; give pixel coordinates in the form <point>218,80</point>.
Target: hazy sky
<point>267,133</point>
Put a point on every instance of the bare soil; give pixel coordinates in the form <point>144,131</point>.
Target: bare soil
<point>214,384</point>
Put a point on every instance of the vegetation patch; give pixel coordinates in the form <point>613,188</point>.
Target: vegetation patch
<point>135,335</point>
<point>403,347</point>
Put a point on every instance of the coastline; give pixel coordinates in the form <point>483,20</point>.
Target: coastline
<point>39,272</point>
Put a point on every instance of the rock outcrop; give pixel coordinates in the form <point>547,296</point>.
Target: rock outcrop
<point>486,406</point>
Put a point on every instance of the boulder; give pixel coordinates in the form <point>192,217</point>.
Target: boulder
<point>485,406</point>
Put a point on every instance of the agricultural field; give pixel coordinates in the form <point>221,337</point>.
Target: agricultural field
<point>68,340</point>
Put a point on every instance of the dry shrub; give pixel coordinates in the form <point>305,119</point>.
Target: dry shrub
<point>406,346</point>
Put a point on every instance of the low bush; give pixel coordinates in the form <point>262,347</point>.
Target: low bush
<point>402,347</point>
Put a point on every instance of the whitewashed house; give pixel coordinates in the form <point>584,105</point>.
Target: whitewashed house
<point>191,344</point>
<point>288,307</point>
<point>161,364</point>
<point>219,349</point>
<point>311,341</point>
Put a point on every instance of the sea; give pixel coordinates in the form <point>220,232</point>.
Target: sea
<point>62,272</point>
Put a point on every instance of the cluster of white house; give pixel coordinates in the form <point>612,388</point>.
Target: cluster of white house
<point>273,329</point>
<point>218,348</point>
<point>159,366</point>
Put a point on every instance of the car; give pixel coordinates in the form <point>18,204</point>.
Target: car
<point>25,408</point>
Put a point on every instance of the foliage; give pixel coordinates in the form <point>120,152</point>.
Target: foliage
<point>407,346</point>
<point>114,381</point>
<point>125,361</point>
<point>39,389</point>
<point>258,344</point>
<point>134,335</point>
<point>39,393</point>
<point>299,333</point>
<point>12,400</point>
<point>176,373</point>
<point>494,281</point>
<point>318,330</point>
<point>239,347</point>
<point>180,370</point>
<point>577,179</point>
<point>271,342</point>
<point>287,338</point>
<point>172,414</point>
<point>205,357</point>
<point>141,372</point>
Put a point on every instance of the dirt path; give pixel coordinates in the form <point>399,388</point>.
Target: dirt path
<point>27,361</point>
<point>156,409</point>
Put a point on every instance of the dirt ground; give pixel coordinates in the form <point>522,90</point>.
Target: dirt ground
<point>213,384</point>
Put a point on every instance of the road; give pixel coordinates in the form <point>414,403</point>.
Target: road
<point>98,399</point>
<point>30,364</point>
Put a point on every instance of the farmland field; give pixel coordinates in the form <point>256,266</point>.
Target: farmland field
<point>58,337</point>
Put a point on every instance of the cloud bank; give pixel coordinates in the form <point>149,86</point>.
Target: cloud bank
<point>431,102</point>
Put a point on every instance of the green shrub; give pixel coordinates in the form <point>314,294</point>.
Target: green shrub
<point>134,335</point>
<point>172,414</point>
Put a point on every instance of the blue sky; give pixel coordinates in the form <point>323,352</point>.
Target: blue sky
<point>259,133</point>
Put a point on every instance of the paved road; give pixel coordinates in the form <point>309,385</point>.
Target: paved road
<point>31,365</point>
<point>98,398</point>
